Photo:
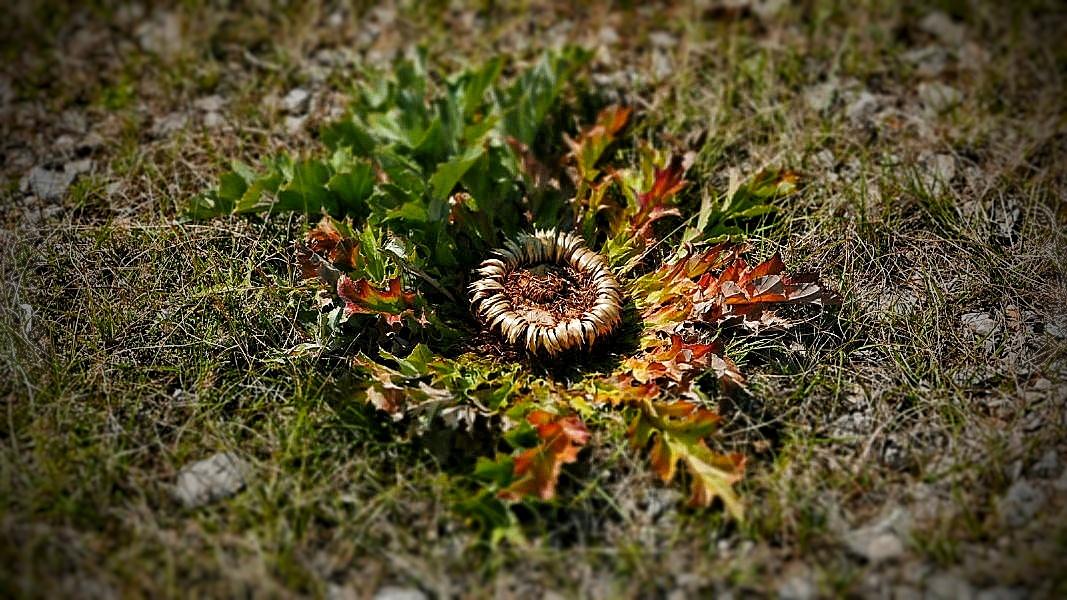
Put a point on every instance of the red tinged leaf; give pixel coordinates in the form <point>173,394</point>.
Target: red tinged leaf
<point>594,140</point>
<point>652,205</point>
<point>324,237</point>
<point>677,431</point>
<point>613,119</point>
<point>695,265</point>
<point>773,266</point>
<point>327,252</point>
<point>668,182</point>
<point>362,298</point>
<point>734,270</point>
<point>675,361</point>
<point>666,295</point>
<point>738,294</point>
<point>538,469</point>
<point>743,293</point>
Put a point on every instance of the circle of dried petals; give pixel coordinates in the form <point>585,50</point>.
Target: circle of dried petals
<point>491,302</point>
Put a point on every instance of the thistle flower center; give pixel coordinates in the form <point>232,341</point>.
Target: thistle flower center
<point>558,290</point>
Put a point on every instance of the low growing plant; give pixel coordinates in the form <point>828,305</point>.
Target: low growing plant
<point>490,283</point>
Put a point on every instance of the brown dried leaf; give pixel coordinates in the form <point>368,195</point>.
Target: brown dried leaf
<point>743,293</point>
<point>312,265</point>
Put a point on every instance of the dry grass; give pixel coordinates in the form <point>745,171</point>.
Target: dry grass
<point>929,403</point>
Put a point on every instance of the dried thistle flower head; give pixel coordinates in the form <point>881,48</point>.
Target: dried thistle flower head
<point>547,292</point>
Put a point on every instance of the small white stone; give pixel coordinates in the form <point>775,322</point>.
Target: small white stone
<point>981,323</point>
<point>50,186</point>
<point>27,319</point>
<point>821,96</point>
<point>209,104</point>
<point>662,39</point>
<point>873,546</point>
<point>169,124</point>
<point>211,479</point>
<point>938,97</point>
<point>929,61</point>
<point>63,144</point>
<point>296,101</point>
<point>91,142</point>
<point>797,583</point>
<point>392,592</point>
<point>884,547</point>
<point>338,592</point>
<point>861,111</point>
<point>162,34</point>
<point>881,541</point>
<point>78,167</point>
<point>662,65</point>
<point>941,26</point>
<point>214,120</point>
<point>294,125</point>
<point>938,172</point>
<point>765,9</point>
<point>608,35</point>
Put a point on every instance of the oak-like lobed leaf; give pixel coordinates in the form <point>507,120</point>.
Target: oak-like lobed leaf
<point>673,360</point>
<point>537,469</point>
<point>676,431</point>
<point>691,290</point>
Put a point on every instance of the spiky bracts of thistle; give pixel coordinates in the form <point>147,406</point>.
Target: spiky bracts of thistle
<point>547,292</point>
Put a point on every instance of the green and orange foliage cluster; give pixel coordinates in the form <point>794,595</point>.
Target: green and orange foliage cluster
<point>425,176</point>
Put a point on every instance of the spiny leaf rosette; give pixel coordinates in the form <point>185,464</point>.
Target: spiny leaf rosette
<point>547,292</point>
<point>406,206</point>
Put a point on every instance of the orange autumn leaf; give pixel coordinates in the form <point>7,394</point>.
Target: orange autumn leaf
<point>312,265</point>
<point>538,468</point>
<point>665,296</point>
<point>594,140</point>
<point>676,432</point>
<point>744,294</point>
<point>676,361</point>
<point>690,290</point>
<point>326,252</point>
